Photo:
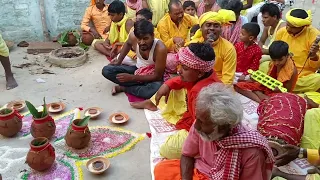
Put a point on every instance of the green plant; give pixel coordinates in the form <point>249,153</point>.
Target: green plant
<point>84,121</point>
<point>5,111</point>
<point>63,40</point>
<point>35,113</point>
<point>39,143</point>
<point>83,46</point>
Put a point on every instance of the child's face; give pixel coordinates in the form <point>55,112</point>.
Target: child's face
<point>245,36</point>
<point>190,10</point>
<point>279,63</point>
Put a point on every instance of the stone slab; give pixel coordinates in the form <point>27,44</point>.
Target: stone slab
<point>42,47</point>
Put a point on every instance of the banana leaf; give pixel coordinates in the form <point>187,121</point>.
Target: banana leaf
<point>63,40</point>
<point>84,121</point>
<point>33,110</point>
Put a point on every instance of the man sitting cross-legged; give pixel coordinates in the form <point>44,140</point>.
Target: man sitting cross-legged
<point>119,30</point>
<point>218,146</point>
<point>144,79</point>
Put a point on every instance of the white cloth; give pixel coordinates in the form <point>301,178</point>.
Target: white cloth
<point>146,62</point>
<point>254,11</point>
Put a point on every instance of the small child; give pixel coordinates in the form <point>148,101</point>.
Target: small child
<point>248,51</point>
<point>282,68</point>
<point>189,7</point>
<point>193,30</point>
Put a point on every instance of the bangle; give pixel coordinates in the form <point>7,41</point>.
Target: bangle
<point>313,156</point>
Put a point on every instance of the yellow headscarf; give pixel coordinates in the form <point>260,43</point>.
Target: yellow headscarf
<point>115,35</point>
<point>222,17</point>
<point>298,22</point>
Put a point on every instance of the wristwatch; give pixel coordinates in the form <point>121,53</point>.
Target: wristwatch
<point>300,153</point>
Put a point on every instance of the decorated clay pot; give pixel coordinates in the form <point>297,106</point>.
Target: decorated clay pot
<point>43,127</point>
<point>72,40</point>
<point>87,38</point>
<point>41,155</point>
<point>77,137</point>
<point>11,123</point>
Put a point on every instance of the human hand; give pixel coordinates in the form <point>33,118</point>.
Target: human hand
<point>115,61</point>
<point>113,51</point>
<point>178,41</point>
<point>291,154</point>
<point>164,90</point>
<point>95,33</point>
<point>106,30</point>
<point>107,44</point>
<point>125,77</point>
<point>276,90</point>
<point>310,102</point>
<point>314,50</point>
<point>242,78</point>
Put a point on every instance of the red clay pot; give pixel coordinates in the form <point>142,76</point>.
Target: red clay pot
<point>10,124</point>
<point>40,158</point>
<point>87,38</point>
<point>72,40</point>
<point>44,127</point>
<point>77,137</point>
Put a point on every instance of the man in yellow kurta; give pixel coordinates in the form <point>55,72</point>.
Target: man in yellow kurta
<point>119,30</point>
<point>174,28</point>
<point>300,36</point>
<point>226,56</point>
<point>5,61</point>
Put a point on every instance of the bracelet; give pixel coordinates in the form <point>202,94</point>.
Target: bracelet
<point>313,156</point>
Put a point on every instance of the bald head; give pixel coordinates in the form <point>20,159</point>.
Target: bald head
<point>174,4</point>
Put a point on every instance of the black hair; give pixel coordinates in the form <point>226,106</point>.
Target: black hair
<point>194,28</point>
<point>143,27</point>
<point>278,49</point>
<point>117,7</point>
<point>234,5</point>
<point>203,50</point>
<point>145,12</point>
<point>271,9</point>
<point>253,29</point>
<point>172,2</point>
<point>299,13</point>
<point>189,3</point>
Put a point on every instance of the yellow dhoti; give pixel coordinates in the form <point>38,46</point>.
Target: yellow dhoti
<point>309,83</point>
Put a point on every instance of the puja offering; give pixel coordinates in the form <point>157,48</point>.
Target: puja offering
<point>119,118</point>
<point>78,135</point>
<point>281,120</point>
<point>17,105</point>
<point>93,112</point>
<point>56,107</point>
<point>98,165</point>
<point>41,155</point>
<point>10,122</point>
<point>43,125</point>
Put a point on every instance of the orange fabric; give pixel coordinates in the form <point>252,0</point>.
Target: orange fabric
<point>170,170</point>
<point>285,74</point>
<point>100,20</point>
<point>93,2</point>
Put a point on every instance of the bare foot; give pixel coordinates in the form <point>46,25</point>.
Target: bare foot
<point>147,104</point>
<point>116,90</point>
<point>11,82</point>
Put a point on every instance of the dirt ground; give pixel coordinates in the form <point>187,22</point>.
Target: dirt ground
<point>79,87</point>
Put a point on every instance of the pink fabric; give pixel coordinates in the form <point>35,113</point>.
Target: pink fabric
<point>232,33</point>
<point>201,8</point>
<point>135,6</point>
<point>132,98</point>
<point>149,70</point>
<point>186,57</point>
<point>254,162</point>
<point>172,63</point>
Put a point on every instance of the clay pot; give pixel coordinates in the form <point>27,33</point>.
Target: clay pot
<point>43,127</point>
<point>40,157</point>
<point>87,38</point>
<point>77,137</point>
<point>10,124</point>
<point>72,40</point>
<point>55,106</point>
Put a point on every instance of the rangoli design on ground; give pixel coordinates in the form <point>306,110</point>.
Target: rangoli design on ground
<point>62,169</point>
<point>105,141</point>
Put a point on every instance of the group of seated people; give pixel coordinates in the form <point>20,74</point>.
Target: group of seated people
<point>193,56</point>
